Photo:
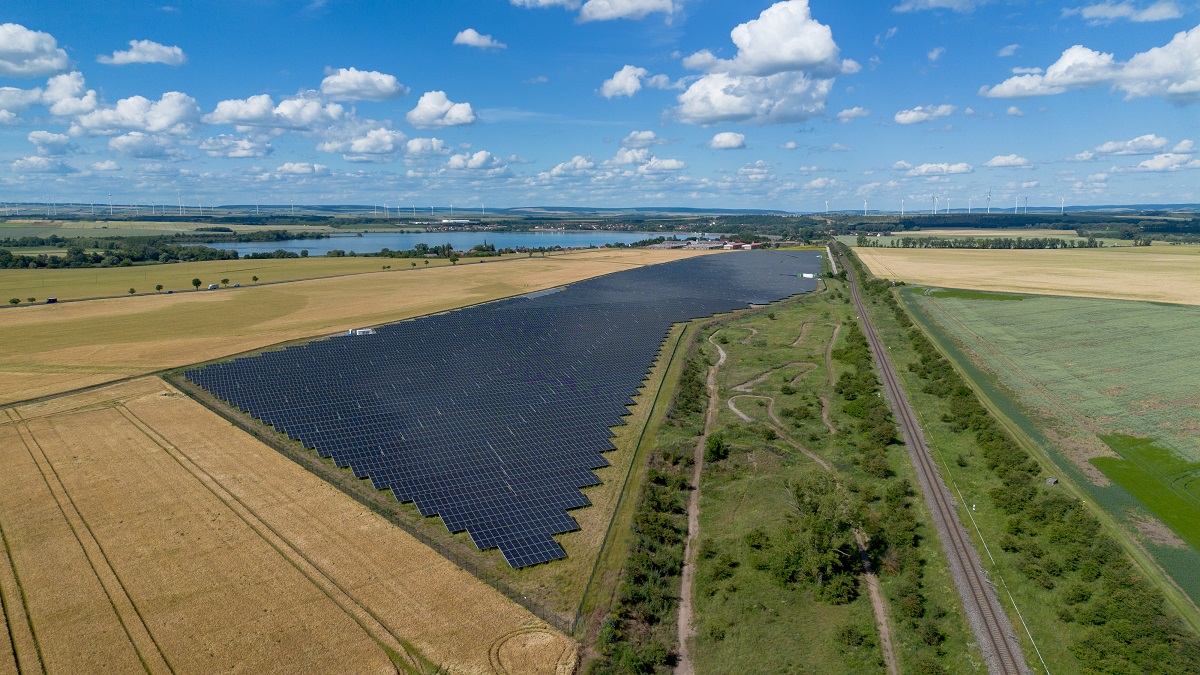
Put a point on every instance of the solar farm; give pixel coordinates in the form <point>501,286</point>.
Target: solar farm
<point>495,416</point>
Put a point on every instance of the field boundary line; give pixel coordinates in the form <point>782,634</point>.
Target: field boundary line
<point>142,651</point>
<point>1187,608</point>
<point>637,450</point>
<point>15,624</point>
<point>247,514</point>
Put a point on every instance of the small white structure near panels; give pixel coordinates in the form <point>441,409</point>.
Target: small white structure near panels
<point>361,331</point>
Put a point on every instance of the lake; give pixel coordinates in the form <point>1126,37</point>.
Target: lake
<point>461,241</point>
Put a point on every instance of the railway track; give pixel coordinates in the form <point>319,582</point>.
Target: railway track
<point>990,625</point>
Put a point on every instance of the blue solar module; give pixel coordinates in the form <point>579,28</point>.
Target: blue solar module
<point>494,417</point>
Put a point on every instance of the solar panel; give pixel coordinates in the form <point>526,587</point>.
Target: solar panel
<point>494,417</point>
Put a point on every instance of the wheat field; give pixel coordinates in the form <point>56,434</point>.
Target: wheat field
<point>181,543</point>
<point>1156,273</point>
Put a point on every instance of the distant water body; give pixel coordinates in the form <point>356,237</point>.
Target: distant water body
<point>461,241</point>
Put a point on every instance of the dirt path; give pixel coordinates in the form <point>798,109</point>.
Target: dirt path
<point>685,628</point>
<point>803,333</point>
<point>825,416</point>
<point>748,386</point>
<point>753,332</point>
<point>878,605</point>
<point>829,353</point>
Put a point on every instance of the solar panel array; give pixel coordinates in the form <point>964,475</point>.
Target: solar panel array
<point>495,416</point>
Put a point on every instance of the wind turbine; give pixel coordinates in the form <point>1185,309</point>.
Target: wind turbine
<point>901,208</point>
<point>1026,204</point>
<point>989,202</point>
<point>968,206</point>
<point>864,207</point>
<point>180,198</point>
<point>935,203</point>
<point>110,203</point>
<point>947,205</point>
<point>1016,204</point>
<point>826,207</point>
<point>1062,209</point>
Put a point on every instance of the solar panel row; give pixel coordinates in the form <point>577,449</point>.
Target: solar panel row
<point>494,417</point>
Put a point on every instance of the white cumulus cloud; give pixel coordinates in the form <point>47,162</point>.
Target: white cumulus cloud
<point>1008,50</point>
<point>143,146</point>
<point>29,53</point>
<point>606,10</point>
<point>922,113</point>
<point>1007,162</point>
<point>50,144</point>
<point>352,84</point>
<point>299,113</point>
<point>641,139</point>
<point>473,38</point>
<point>378,144</point>
<point>850,114</point>
<point>728,140</point>
<point>423,147</point>
<point>1167,161</point>
<point>940,169</point>
<point>41,165</point>
<point>1107,12</point>
<point>106,165</point>
<point>1171,71</point>
<point>481,160</point>
<point>68,95</point>
<point>234,147</point>
<point>1142,145</point>
<point>145,51</point>
<point>173,113</point>
<point>302,169</point>
<point>783,71</point>
<point>435,110</point>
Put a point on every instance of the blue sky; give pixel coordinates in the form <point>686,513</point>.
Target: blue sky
<point>608,103</point>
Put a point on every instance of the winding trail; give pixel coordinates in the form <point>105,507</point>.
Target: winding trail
<point>685,628</point>
<point>878,604</point>
<point>803,333</point>
<point>1001,650</point>
<point>753,332</point>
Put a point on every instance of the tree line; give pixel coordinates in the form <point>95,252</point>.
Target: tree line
<point>982,242</point>
<point>1119,620</point>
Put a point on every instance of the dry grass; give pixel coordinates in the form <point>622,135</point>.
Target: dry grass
<point>55,348</point>
<point>221,554</point>
<point>1158,274</point>
<point>84,283</point>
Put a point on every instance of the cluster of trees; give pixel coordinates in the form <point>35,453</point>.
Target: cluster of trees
<point>124,254</point>
<point>984,242</point>
<point>859,389</point>
<point>1122,623</point>
<point>818,549</point>
<point>639,635</point>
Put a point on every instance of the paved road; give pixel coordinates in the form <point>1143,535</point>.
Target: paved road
<point>993,632</point>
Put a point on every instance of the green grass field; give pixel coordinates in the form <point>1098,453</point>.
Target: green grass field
<point>1077,376</point>
<point>746,619</point>
<point>1167,485</point>
<point>976,295</point>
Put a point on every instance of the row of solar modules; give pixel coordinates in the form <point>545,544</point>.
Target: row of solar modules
<point>495,416</point>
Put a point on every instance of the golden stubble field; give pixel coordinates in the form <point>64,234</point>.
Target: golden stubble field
<point>140,530</point>
<point>50,349</point>
<point>1157,273</point>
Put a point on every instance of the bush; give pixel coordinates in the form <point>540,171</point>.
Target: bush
<point>715,448</point>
